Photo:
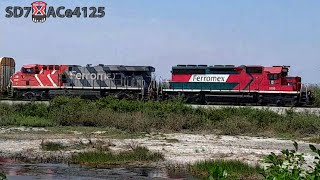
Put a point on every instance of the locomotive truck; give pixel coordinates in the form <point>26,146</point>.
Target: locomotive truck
<point>200,84</point>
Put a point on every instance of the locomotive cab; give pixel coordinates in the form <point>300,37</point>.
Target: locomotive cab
<point>279,79</point>
<point>24,76</point>
<point>294,82</point>
<point>31,69</point>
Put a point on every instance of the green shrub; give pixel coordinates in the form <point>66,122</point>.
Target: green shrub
<point>290,165</point>
<point>51,146</point>
<point>315,89</point>
<point>21,120</point>
<point>223,169</point>
<point>137,154</point>
<point>172,116</point>
<point>32,109</point>
<point>3,176</point>
<point>33,121</point>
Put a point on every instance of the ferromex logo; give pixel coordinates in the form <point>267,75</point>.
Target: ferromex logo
<point>40,12</point>
<point>39,9</point>
<point>209,78</point>
<point>91,76</point>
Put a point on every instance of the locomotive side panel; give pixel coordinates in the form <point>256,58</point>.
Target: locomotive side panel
<point>108,77</point>
<point>47,81</point>
<point>229,83</point>
<point>206,78</point>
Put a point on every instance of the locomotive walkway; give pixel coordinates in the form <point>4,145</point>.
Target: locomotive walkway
<point>280,110</point>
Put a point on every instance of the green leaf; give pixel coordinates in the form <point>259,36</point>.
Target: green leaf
<point>313,148</point>
<point>295,144</point>
<point>2,176</point>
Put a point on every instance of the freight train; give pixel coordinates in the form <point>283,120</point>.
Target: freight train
<point>201,84</point>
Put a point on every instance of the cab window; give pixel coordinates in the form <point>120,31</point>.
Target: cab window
<point>27,70</point>
<point>254,70</point>
<point>273,76</point>
<point>37,71</point>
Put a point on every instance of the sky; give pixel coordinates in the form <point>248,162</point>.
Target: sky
<point>164,33</point>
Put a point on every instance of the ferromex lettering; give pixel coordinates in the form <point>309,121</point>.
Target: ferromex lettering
<point>209,78</point>
<point>91,76</point>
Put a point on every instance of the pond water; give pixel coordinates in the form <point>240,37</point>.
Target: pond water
<point>22,171</point>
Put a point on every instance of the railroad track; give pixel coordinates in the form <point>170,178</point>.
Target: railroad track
<point>280,110</point>
<point>11,102</point>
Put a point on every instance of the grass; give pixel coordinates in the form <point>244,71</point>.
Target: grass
<point>172,140</point>
<point>25,120</point>
<point>2,176</point>
<point>104,157</point>
<point>51,146</point>
<point>133,118</point>
<point>315,89</point>
<point>234,169</point>
<point>315,139</point>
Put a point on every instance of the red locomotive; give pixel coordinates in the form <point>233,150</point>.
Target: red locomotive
<point>46,81</point>
<point>196,83</point>
<point>239,84</point>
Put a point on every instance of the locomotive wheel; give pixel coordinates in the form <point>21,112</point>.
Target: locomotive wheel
<point>280,103</point>
<point>261,101</point>
<point>28,96</point>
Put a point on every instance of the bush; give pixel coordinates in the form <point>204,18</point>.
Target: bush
<point>315,89</point>
<point>2,176</point>
<point>138,116</point>
<point>21,120</point>
<point>223,169</point>
<point>290,165</point>
<point>51,146</point>
<point>100,157</point>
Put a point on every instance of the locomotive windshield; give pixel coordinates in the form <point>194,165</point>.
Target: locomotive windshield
<point>27,70</point>
<point>284,72</point>
<point>273,76</point>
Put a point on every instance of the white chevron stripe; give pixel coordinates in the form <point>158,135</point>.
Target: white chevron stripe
<point>37,78</point>
<point>50,79</point>
<point>54,71</point>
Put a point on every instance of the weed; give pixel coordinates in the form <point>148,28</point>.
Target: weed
<point>3,176</point>
<point>223,169</point>
<point>290,165</point>
<point>134,117</point>
<point>51,146</point>
<point>172,140</point>
<point>314,139</point>
<point>102,157</point>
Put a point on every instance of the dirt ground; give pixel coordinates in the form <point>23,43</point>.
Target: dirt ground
<point>178,148</point>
